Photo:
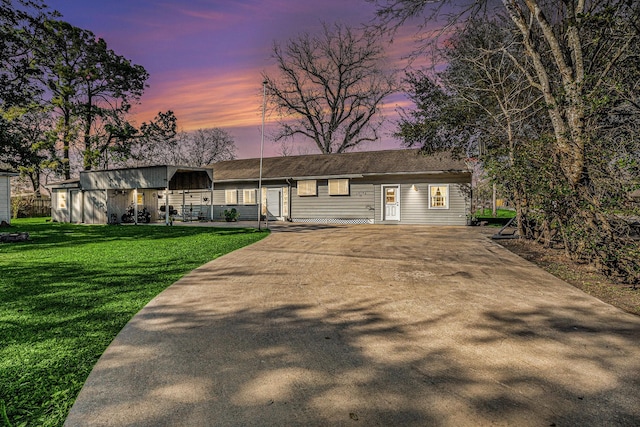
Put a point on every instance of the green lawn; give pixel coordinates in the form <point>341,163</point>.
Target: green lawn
<point>65,295</point>
<point>500,213</point>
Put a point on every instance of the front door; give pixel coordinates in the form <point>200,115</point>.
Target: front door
<point>273,202</point>
<point>391,199</point>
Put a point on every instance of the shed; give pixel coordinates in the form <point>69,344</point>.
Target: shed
<point>111,196</point>
<point>5,195</point>
<point>385,187</point>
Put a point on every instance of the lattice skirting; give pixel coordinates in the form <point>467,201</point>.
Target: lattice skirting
<point>334,220</point>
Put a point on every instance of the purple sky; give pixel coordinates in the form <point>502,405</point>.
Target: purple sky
<point>205,56</point>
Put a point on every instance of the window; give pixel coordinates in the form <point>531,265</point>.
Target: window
<point>307,188</point>
<point>140,199</point>
<point>249,197</point>
<point>338,187</point>
<point>390,195</point>
<point>62,199</point>
<point>230,197</point>
<point>439,196</point>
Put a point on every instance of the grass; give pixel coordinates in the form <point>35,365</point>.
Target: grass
<point>500,213</point>
<point>65,295</point>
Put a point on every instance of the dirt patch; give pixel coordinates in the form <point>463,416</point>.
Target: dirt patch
<point>582,276</point>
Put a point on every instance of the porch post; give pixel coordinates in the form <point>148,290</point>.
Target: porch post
<point>266,206</point>
<point>135,206</point>
<point>184,218</point>
<point>211,199</point>
<point>166,206</point>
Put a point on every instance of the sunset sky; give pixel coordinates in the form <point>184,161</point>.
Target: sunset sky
<point>205,57</point>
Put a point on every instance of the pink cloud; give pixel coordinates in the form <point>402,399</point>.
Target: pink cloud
<point>205,57</point>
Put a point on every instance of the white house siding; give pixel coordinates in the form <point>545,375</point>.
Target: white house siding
<point>5,199</point>
<point>247,212</point>
<point>358,205</point>
<point>414,205</point>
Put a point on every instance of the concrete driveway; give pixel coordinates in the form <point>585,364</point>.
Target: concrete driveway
<point>369,325</point>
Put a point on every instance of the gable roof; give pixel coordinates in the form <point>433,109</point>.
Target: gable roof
<point>346,165</point>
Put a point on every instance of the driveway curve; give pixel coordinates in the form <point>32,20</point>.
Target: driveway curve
<point>371,326</point>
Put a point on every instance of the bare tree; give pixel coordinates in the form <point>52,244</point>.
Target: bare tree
<point>558,51</point>
<point>197,148</point>
<point>330,87</point>
<point>580,58</point>
<point>206,146</point>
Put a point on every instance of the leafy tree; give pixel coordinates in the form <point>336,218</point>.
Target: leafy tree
<point>65,96</point>
<point>91,89</point>
<point>481,107</point>
<point>554,53</point>
<point>330,87</point>
<point>22,120</point>
<point>110,86</point>
<point>24,144</point>
<point>17,21</point>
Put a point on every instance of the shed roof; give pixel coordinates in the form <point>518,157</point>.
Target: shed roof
<point>69,183</point>
<point>4,172</point>
<point>352,164</point>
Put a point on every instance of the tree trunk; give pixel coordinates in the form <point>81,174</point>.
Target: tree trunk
<point>66,142</point>
<point>88,119</point>
<point>567,121</point>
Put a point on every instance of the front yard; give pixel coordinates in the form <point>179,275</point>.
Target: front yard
<point>65,294</point>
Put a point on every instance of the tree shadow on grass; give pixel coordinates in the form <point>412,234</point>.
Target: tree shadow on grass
<point>56,319</point>
<point>62,235</point>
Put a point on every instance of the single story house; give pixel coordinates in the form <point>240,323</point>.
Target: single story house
<point>370,187</point>
<point>5,195</point>
<point>110,196</point>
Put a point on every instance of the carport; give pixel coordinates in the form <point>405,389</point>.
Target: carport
<point>102,197</point>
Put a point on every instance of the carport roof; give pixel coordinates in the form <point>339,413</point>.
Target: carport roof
<point>161,176</point>
<point>353,164</point>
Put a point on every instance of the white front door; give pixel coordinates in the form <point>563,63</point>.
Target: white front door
<point>273,202</point>
<point>391,202</point>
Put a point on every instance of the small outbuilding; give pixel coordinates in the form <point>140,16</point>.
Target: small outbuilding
<point>369,187</point>
<point>5,195</point>
<point>131,195</point>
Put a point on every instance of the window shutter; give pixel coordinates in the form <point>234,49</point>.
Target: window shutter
<point>231,197</point>
<point>339,187</point>
<point>307,187</point>
<point>249,197</point>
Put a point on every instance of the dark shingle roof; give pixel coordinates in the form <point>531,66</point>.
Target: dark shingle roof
<point>346,164</point>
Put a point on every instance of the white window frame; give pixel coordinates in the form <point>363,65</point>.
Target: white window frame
<point>231,197</point>
<point>342,184</point>
<point>249,196</point>
<point>308,187</point>
<point>446,196</point>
